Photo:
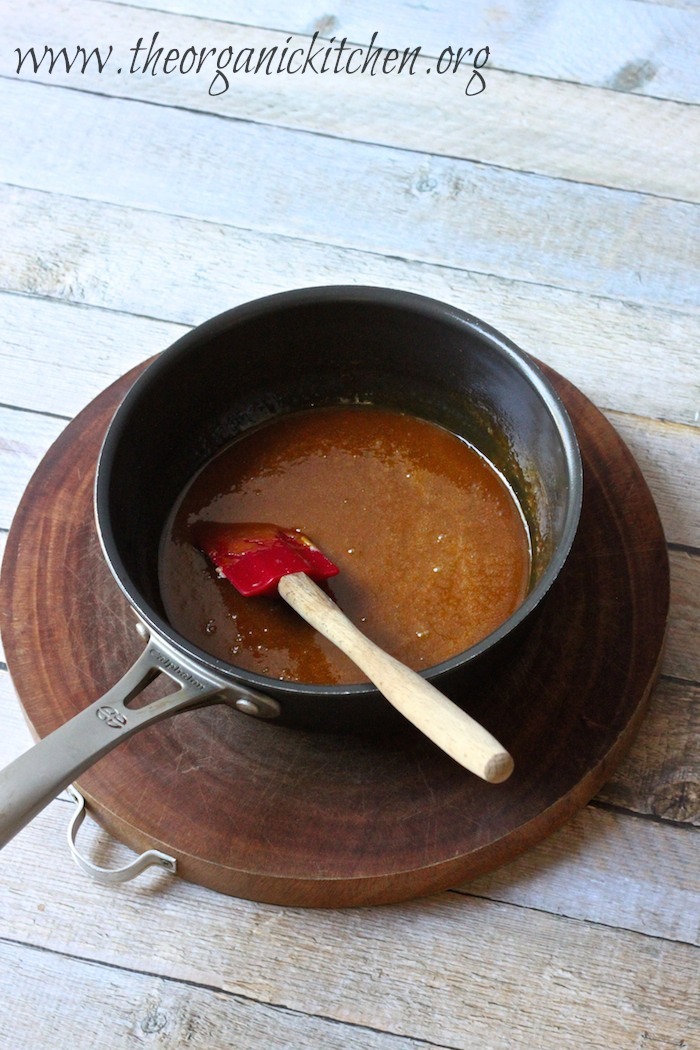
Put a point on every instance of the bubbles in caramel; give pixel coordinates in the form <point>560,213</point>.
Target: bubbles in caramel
<point>431,543</point>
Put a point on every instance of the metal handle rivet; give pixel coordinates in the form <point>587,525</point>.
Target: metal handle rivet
<point>248,707</point>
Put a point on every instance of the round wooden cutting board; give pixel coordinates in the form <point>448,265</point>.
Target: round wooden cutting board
<point>297,818</point>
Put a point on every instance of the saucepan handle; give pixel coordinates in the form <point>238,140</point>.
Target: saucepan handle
<point>29,783</point>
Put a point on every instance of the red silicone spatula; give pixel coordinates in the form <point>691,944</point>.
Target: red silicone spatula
<point>261,559</point>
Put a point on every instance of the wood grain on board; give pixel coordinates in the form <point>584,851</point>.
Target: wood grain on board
<point>327,820</point>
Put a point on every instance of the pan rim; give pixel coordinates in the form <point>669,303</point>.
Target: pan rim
<point>356,294</point>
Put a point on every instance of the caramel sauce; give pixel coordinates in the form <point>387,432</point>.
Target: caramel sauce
<point>431,544</point>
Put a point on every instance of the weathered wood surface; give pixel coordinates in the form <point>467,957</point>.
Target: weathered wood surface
<point>421,969</point>
<point>560,205</point>
<point>435,209</point>
<point>514,123</point>
<point>50,255</point>
<point>614,44</point>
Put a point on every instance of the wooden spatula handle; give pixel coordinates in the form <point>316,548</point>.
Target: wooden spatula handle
<point>421,703</point>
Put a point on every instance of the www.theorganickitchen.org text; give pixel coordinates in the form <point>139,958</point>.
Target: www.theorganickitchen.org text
<point>303,56</point>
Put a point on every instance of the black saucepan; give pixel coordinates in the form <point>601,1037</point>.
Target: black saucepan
<point>282,353</point>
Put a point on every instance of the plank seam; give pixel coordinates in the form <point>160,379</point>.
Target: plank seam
<point>218,990</point>
<point>369,143</point>
<point>685,826</point>
<point>427,55</point>
<point>33,412</point>
<point>634,304</point>
<point>563,917</point>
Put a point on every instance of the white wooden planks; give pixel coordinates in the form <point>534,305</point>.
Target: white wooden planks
<point>621,44</point>
<point>425,209</point>
<point>523,122</point>
<point>456,971</point>
<point>639,359</point>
